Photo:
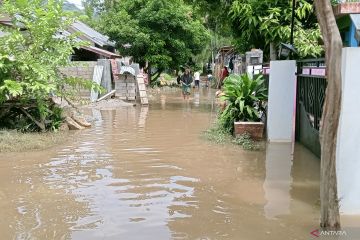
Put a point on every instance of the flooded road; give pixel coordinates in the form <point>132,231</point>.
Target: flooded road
<point>146,173</point>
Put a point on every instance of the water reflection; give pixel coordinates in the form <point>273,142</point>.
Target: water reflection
<point>122,180</point>
<point>278,179</point>
<point>196,98</point>
<point>31,209</point>
<point>163,101</point>
<point>144,110</point>
<point>96,114</point>
<point>137,189</point>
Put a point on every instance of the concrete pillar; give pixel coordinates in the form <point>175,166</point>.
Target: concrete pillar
<point>348,151</point>
<point>282,101</point>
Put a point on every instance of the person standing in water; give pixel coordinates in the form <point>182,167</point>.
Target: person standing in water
<point>186,81</point>
<point>197,79</point>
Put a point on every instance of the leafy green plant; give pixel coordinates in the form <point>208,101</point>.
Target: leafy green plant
<point>244,97</point>
<point>258,24</point>
<point>165,34</point>
<point>167,77</point>
<point>217,135</point>
<point>32,52</point>
<point>246,142</point>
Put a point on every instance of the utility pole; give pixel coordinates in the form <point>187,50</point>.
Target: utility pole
<point>292,26</point>
<point>292,23</point>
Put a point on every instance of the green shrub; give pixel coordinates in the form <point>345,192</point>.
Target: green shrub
<point>217,135</point>
<point>31,55</point>
<point>167,77</point>
<point>244,97</point>
<point>246,142</point>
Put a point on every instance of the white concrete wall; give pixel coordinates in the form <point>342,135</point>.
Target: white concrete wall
<point>348,142</point>
<point>281,104</point>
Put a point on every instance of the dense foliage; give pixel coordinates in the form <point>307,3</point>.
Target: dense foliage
<point>259,23</point>
<point>244,97</point>
<point>165,34</point>
<point>31,54</point>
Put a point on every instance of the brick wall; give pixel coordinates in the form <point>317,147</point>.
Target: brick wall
<point>83,70</point>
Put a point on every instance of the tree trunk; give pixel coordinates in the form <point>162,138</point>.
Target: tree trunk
<point>330,218</point>
<point>272,51</point>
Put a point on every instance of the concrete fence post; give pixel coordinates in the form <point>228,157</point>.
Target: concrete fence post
<point>282,101</point>
<point>348,151</point>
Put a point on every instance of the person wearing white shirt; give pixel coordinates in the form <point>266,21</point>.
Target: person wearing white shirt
<point>197,79</point>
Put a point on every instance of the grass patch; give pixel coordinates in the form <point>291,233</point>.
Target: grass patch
<point>14,141</point>
<point>218,135</point>
<point>246,142</point>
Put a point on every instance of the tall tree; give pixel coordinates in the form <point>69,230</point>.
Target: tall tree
<point>166,34</point>
<point>215,13</point>
<point>266,23</point>
<point>216,19</point>
<point>330,217</point>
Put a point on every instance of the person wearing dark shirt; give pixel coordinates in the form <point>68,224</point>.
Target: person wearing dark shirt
<point>186,81</point>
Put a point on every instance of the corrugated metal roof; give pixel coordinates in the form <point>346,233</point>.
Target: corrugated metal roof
<point>86,33</point>
<point>5,20</point>
<point>101,52</point>
<point>92,34</point>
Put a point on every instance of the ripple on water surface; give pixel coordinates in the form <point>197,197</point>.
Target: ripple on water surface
<point>145,173</point>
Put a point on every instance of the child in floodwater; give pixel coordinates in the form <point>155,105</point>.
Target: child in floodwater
<point>186,81</point>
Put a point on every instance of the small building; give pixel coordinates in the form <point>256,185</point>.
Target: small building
<point>254,61</point>
<point>100,46</point>
<point>348,20</point>
<point>99,62</point>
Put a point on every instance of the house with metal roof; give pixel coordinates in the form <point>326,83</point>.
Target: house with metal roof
<point>347,15</point>
<point>91,34</point>
<point>100,46</point>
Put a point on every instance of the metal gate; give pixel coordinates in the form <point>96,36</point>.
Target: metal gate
<point>311,87</point>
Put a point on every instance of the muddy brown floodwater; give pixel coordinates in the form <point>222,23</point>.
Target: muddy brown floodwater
<point>146,173</point>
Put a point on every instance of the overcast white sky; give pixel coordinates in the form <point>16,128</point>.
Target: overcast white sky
<point>76,2</point>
